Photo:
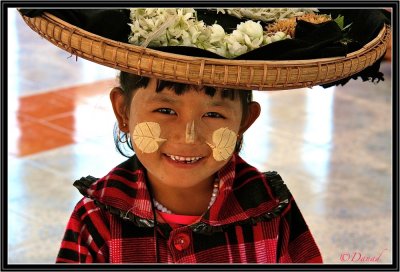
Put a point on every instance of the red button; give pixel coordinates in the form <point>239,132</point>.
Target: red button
<point>181,241</point>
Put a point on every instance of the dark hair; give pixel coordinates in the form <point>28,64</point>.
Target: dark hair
<point>129,83</point>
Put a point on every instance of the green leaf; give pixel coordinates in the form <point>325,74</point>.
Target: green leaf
<point>340,21</point>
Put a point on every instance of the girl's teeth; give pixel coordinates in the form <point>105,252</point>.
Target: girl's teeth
<point>184,159</point>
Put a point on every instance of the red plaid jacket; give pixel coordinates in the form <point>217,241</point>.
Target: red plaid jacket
<point>253,220</point>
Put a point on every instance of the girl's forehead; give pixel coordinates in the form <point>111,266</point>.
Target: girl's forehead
<point>168,94</point>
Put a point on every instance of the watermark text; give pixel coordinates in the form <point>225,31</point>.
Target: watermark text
<point>360,257</point>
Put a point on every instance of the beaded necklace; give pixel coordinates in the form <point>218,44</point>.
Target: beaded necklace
<point>214,194</point>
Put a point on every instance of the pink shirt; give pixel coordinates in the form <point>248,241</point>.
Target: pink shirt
<point>174,220</point>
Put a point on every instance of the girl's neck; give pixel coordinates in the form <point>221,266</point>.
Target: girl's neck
<point>183,201</point>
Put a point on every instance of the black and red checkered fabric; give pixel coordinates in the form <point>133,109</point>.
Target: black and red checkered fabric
<point>253,220</point>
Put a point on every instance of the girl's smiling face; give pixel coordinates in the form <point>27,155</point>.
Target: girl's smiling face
<point>187,122</point>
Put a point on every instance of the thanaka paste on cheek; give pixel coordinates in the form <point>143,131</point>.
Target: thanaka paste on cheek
<point>146,137</point>
<point>224,142</point>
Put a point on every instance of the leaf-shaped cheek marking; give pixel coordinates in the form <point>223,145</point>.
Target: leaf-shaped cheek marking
<point>146,136</point>
<point>224,142</point>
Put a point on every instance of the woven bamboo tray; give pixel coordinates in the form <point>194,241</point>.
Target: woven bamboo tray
<point>239,74</point>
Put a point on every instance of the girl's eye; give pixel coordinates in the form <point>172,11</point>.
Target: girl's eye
<point>166,111</point>
<point>214,115</point>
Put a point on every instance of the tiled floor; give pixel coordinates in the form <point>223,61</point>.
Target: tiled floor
<point>332,147</point>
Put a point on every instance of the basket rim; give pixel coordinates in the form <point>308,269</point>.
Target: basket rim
<point>235,62</point>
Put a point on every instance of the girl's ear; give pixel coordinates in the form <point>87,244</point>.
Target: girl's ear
<point>118,103</point>
<point>254,112</point>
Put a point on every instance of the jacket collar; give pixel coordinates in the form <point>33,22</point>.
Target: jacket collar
<point>244,195</point>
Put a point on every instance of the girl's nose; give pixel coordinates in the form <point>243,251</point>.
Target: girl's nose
<point>190,135</point>
<point>188,132</point>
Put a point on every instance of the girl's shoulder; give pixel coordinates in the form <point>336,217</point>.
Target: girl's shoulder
<point>277,185</point>
<point>267,185</point>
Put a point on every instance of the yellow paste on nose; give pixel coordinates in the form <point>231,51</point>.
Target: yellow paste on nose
<point>224,142</point>
<point>146,136</point>
<point>190,135</point>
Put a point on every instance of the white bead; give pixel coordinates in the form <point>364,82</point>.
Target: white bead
<point>214,194</point>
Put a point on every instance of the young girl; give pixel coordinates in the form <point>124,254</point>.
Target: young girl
<point>186,196</point>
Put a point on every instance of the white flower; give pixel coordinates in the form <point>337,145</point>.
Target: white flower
<point>186,39</point>
<point>235,36</point>
<point>278,36</point>
<point>253,29</point>
<point>222,51</point>
<point>249,34</point>
<point>199,32</point>
<point>281,34</point>
<point>217,33</point>
<point>180,27</point>
<point>236,49</point>
<point>267,40</point>
<point>253,44</point>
